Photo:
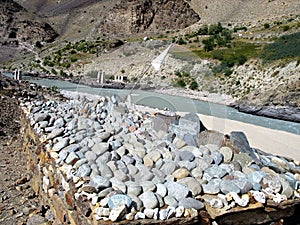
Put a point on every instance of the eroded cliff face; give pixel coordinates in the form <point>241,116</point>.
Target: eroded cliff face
<point>137,16</point>
<point>18,25</point>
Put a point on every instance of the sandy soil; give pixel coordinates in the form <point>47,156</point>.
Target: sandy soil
<point>272,141</point>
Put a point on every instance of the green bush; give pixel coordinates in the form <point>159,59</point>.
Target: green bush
<point>241,59</point>
<point>178,73</point>
<point>266,26</point>
<point>181,83</point>
<point>285,47</point>
<point>193,85</point>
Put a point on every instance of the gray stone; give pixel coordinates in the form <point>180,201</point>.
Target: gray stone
<point>60,122</point>
<point>55,133</point>
<point>241,144</point>
<point>105,170</point>
<point>189,203</point>
<point>149,213</point>
<point>71,148</point>
<point>104,136</point>
<point>143,175</point>
<point>292,181</point>
<point>60,144</point>
<point>168,167</point>
<point>229,167</point>
<point>190,139</point>
<point>104,158</point>
<point>121,175</point>
<point>72,158</point>
<point>90,156</point>
<point>187,164</point>
<point>255,178</point>
<point>105,192</point>
<point>217,157</point>
<point>121,166</point>
<point>202,164</point>
<point>99,182</point>
<point>148,186</point>
<point>155,155</point>
<point>100,148</point>
<point>80,162</point>
<point>170,201</point>
<point>139,215</point>
<point>177,190</point>
<point>227,154</point>
<point>192,123</point>
<point>43,124</point>
<point>149,200</point>
<point>212,187</point>
<point>132,170</point>
<point>118,184</point>
<point>41,117</point>
<point>133,188</point>
<point>227,186</point>
<point>193,185</point>
<point>159,177</point>
<point>84,170</point>
<point>214,172</point>
<point>186,155</point>
<point>158,124</point>
<point>197,173</point>
<point>163,214</point>
<point>63,155</point>
<point>119,199</point>
<point>161,189</point>
<point>243,184</point>
<point>287,190</point>
<point>72,124</point>
<point>160,200</point>
<point>136,202</point>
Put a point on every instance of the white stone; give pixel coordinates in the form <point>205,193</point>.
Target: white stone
<point>179,211</point>
<point>149,213</point>
<point>117,213</point>
<point>102,212</point>
<point>139,215</point>
<point>259,196</point>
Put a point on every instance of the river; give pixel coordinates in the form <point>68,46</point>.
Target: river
<point>177,103</point>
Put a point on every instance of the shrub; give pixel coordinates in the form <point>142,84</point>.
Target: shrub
<point>266,26</point>
<point>38,44</point>
<point>181,83</point>
<point>241,59</point>
<point>53,71</point>
<point>193,85</point>
<point>285,28</point>
<point>178,73</point>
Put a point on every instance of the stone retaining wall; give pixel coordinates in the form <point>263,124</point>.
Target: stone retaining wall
<point>206,176</point>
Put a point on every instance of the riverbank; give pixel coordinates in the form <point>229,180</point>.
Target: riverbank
<point>271,141</point>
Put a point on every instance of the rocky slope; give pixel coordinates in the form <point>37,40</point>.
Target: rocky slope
<point>19,30</point>
<point>130,17</point>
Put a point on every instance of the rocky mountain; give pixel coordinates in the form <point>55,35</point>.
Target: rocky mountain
<point>19,28</point>
<point>139,16</point>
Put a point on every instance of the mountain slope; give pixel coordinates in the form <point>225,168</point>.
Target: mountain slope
<point>19,28</point>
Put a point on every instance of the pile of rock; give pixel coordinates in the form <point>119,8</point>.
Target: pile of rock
<point>121,163</point>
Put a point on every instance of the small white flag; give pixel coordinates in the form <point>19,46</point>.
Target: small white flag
<point>156,63</point>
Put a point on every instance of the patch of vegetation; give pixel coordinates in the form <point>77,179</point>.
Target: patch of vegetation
<point>63,58</point>
<point>184,79</point>
<point>218,37</point>
<point>285,47</point>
